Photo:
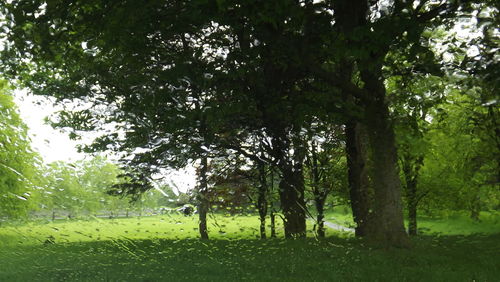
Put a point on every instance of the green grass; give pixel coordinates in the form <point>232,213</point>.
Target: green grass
<point>154,227</point>
<point>165,248</point>
<point>460,224</point>
<point>455,223</point>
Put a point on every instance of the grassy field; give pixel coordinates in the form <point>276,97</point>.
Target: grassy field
<point>165,248</point>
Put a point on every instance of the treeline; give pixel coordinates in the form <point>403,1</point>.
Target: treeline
<point>29,188</point>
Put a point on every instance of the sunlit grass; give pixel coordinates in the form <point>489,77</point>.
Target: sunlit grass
<point>460,224</point>
<point>173,226</point>
<point>454,223</point>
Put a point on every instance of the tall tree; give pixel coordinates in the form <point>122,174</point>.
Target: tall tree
<point>371,29</point>
<point>19,165</point>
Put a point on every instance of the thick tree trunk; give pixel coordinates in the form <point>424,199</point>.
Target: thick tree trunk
<point>203,199</point>
<point>292,203</point>
<point>388,224</point>
<point>359,188</point>
<point>262,199</point>
<point>291,185</point>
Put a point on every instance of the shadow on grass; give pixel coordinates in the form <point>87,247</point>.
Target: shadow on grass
<point>433,258</point>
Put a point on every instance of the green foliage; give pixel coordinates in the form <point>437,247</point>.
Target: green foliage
<point>82,189</point>
<point>19,165</point>
<point>461,170</point>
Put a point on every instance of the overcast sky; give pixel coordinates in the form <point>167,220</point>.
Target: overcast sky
<point>52,144</point>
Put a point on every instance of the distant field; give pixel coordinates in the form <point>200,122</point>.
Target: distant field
<point>166,248</point>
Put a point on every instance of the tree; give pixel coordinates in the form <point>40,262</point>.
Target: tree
<point>19,165</point>
<point>97,177</point>
<point>371,29</point>
<point>470,115</point>
<point>82,188</point>
<point>461,169</point>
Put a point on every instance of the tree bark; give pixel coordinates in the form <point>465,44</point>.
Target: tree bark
<point>359,188</point>
<point>411,166</point>
<point>291,188</point>
<point>411,187</point>
<point>262,199</point>
<point>292,202</point>
<point>475,207</point>
<point>320,218</point>
<point>273,224</point>
<point>320,192</point>
<point>202,198</point>
<point>291,185</point>
<point>271,213</point>
<point>388,224</point>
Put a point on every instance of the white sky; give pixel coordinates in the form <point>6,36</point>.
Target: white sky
<point>54,145</point>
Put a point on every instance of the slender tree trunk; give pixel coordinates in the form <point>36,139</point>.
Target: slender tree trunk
<point>388,224</point>
<point>359,188</point>
<point>411,167</point>
<point>271,213</point>
<point>273,224</point>
<point>319,192</point>
<point>203,199</point>
<point>53,215</point>
<point>320,218</point>
<point>475,208</point>
<point>262,227</point>
<point>411,187</point>
<point>262,200</point>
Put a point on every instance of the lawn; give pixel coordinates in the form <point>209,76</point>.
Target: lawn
<point>165,248</point>
<point>453,223</point>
